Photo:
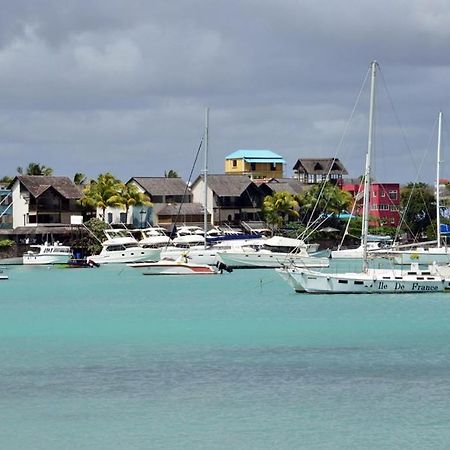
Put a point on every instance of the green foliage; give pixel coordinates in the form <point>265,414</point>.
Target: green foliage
<point>6,180</point>
<point>36,169</point>
<point>324,198</point>
<point>277,208</point>
<point>417,202</point>
<point>79,179</point>
<point>129,195</point>
<point>6,243</point>
<point>293,229</point>
<point>102,192</point>
<point>171,174</point>
<point>88,241</point>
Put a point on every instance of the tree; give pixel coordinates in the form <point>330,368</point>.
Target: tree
<point>278,207</point>
<point>6,180</point>
<point>128,195</point>
<point>36,169</point>
<point>417,203</point>
<point>171,174</point>
<point>324,198</point>
<point>102,193</point>
<point>79,179</point>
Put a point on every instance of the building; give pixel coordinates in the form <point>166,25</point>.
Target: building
<point>230,198</point>
<point>317,170</point>
<point>384,203</point>
<point>38,199</point>
<point>6,218</point>
<point>255,164</point>
<point>291,185</point>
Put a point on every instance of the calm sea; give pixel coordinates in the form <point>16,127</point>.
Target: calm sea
<point>109,359</point>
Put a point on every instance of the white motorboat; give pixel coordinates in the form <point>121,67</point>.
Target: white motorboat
<point>121,247</point>
<point>274,252</point>
<point>3,275</point>
<point>154,237</point>
<point>47,254</point>
<point>369,280</point>
<point>180,266</point>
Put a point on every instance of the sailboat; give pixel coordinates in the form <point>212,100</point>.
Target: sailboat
<point>369,280</point>
<point>421,253</point>
<point>182,263</point>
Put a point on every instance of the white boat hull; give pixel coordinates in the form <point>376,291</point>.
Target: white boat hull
<point>422,256</point>
<point>129,255</point>
<point>45,259</point>
<point>375,281</point>
<point>270,260</point>
<point>175,268</point>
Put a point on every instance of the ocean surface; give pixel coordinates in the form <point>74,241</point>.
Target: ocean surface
<point>110,359</point>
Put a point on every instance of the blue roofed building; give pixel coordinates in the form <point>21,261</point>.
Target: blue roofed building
<point>256,164</point>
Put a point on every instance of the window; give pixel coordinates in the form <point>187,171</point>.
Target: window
<point>384,207</point>
<point>374,207</point>
<point>383,194</point>
<point>374,194</point>
<point>253,166</point>
<point>273,166</point>
<point>393,208</point>
<point>234,163</point>
<point>123,217</point>
<point>110,217</point>
<point>393,195</point>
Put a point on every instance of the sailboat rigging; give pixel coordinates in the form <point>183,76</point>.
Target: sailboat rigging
<point>369,280</point>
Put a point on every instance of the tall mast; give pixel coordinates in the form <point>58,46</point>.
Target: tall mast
<point>438,172</point>
<point>205,176</point>
<point>367,181</point>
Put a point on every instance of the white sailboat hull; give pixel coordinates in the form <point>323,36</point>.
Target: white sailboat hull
<point>374,281</point>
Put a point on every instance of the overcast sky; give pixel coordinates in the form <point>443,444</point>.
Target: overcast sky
<point>121,86</point>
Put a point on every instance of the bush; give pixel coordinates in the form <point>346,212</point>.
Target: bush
<point>6,243</point>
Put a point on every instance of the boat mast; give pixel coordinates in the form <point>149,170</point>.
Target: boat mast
<point>438,194</point>
<point>366,201</point>
<point>205,177</point>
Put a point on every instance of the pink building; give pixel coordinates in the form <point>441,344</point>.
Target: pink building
<point>384,202</point>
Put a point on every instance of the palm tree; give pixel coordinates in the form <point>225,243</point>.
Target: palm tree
<point>79,178</point>
<point>325,198</point>
<point>102,193</point>
<point>6,179</point>
<point>171,174</point>
<point>36,169</point>
<point>278,207</point>
<point>128,195</point>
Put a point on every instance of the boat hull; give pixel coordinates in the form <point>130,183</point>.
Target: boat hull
<point>376,281</point>
<point>130,255</point>
<point>270,260</point>
<point>43,259</point>
<point>174,268</point>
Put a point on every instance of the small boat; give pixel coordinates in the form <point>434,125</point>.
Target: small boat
<point>180,266</point>
<point>3,275</point>
<point>47,254</point>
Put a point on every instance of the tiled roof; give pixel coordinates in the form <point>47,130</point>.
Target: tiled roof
<point>161,185</point>
<point>228,185</point>
<point>38,184</point>
<point>187,209</point>
<point>290,185</point>
<point>319,166</point>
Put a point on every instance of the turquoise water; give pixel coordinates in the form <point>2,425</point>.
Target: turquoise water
<point>109,359</point>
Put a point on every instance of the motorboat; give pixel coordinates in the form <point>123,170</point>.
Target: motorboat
<point>3,275</point>
<point>121,247</point>
<point>179,266</point>
<point>154,237</point>
<point>273,252</point>
<point>47,253</point>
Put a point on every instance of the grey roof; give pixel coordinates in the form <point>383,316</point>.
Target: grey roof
<point>290,185</point>
<point>187,209</point>
<point>228,185</point>
<point>38,184</point>
<point>320,166</point>
<point>161,185</point>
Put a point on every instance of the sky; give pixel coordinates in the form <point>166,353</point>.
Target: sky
<point>122,86</point>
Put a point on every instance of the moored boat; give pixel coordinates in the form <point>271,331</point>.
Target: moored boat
<point>47,254</point>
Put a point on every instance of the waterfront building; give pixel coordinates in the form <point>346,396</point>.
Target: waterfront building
<point>384,202</point>
<point>255,164</point>
<point>317,170</point>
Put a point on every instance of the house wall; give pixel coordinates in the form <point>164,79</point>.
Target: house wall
<point>257,170</point>
<point>198,196</point>
<point>20,207</point>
